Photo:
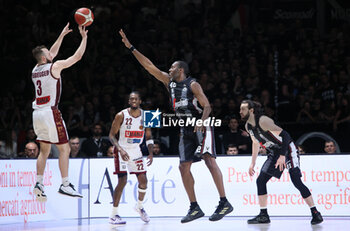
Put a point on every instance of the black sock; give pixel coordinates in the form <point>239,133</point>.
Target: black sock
<point>313,209</point>
<point>193,205</point>
<point>223,199</point>
<point>263,211</point>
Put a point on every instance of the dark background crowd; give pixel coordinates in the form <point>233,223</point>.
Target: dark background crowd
<point>296,64</point>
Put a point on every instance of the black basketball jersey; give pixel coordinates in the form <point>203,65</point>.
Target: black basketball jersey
<point>182,99</point>
<point>266,138</point>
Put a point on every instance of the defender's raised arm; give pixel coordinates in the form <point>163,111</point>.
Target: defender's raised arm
<point>145,62</point>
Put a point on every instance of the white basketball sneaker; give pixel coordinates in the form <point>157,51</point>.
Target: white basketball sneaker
<point>69,191</point>
<point>39,192</point>
<point>143,214</point>
<point>116,220</point>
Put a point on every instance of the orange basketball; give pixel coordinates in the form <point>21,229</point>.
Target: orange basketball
<point>84,16</point>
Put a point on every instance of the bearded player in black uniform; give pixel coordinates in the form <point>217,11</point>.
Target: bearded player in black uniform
<point>282,154</point>
<point>185,92</point>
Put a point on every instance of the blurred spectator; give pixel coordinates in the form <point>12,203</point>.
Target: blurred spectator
<point>157,151</point>
<point>8,146</point>
<point>329,147</point>
<point>314,65</point>
<point>74,143</point>
<point>236,136</point>
<point>110,151</point>
<point>96,146</point>
<point>73,121</point>
<point>304,114</point>
<point>3,155</point>
<point>232,149</point>
<point>91,116</point>
<point>342,117</point>
<point>262,150</point>
<point>30,137</point>
<point>301,149</point>
<point>31,150</point>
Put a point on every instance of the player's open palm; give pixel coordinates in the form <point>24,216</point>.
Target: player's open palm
<point>124,38</point>
<point>83,31</point>
<point>66,30</point>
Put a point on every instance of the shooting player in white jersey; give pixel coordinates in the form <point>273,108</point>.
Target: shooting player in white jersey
<point>47,119</point>
<point>128,156</point>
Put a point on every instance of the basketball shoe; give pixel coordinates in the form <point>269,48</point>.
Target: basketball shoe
<point>260,219</point>
<point>39,192</point>
<point>143,214</point>
<point>222,210</point>
<point>316,218</point>
<point>116,220</point>
<point>69,191</point>
<point>193,213</point>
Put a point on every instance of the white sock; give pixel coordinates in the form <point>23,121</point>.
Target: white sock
<point>40,179</point>
<point>65,181</point>
<point>139,204</point>
<point>114,211</point>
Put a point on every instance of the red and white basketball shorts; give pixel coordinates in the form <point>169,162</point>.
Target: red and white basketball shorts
<point>49,126</point>
<point>135,165</point>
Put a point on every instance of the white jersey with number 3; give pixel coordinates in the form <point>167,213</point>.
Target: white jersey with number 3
<point>47,119</point>
<point>47,87</point>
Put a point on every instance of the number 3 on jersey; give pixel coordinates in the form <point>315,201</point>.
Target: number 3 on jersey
<point>39,91</point>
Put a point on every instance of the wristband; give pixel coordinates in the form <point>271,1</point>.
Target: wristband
<point>132,48</point>
<point>149,142</point>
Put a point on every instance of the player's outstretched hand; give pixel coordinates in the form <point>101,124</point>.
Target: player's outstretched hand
<point>66,30</point>
<point>83,31</point>
<point>149,160</point>
<point>124,39</point>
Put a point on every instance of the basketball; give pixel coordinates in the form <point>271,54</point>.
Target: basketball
<point>84,17</point>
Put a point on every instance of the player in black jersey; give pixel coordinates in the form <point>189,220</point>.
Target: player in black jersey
<point>282,154</point>
<point>195,143</point>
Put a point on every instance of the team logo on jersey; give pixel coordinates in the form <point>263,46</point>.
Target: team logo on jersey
<point>151,118</point>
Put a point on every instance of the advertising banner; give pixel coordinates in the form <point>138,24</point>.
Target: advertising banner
<point>327,176</point>
<point>17,202</point>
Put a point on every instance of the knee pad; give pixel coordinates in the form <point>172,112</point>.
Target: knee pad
<point>261,182</point>
<point>295,176</point>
